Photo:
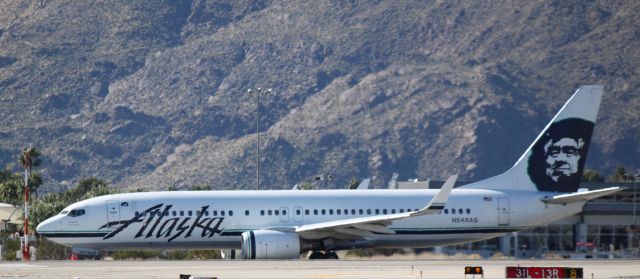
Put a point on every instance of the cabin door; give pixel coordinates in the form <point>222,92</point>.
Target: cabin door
<point>503,211</point>
<point>113,212</point>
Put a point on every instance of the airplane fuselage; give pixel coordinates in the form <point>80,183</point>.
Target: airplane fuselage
<point>216,219</point>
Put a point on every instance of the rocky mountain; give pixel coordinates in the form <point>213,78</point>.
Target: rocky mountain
<point>154,93</point>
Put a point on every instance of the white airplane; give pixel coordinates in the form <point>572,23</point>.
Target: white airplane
<point>540,188</point>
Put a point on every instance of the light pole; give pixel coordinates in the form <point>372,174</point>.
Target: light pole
<point>635,187</point>
<point>26,163</point>
<point>257,93</point>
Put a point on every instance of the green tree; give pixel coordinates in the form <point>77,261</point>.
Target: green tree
<point>203,254</point>
<point>88,184</point>
<point>11,190</point>
<point>12,186</point>
<point>30,156</point>
<point>353,184</point>
<point>620,175</point>
<point>200,188</point>
<point>592,176</point>
<point>306,186</point>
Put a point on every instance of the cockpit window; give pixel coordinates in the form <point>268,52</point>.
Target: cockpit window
<point>76,212</point>
<point>64,212</point>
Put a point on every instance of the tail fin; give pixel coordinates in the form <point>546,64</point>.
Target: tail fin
<point>555,160</point>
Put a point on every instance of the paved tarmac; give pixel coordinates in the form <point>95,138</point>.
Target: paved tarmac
<point>348,269</point>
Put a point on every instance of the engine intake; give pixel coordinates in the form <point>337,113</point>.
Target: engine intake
<point>268,244</point>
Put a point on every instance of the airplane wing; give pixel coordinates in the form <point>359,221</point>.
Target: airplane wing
<point>581,196</point>
<point>363,226</point>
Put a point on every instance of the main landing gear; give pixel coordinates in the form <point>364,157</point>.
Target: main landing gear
<point>317,255</point>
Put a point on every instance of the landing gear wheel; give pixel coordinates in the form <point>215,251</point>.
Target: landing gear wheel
<point>331,256</point>
<point>317,255</point>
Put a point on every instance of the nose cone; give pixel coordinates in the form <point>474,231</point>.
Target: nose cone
<point>47,226</point>
<point>42,227</point>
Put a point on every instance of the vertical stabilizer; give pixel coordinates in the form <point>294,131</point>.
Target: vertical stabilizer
<point>555,160</point>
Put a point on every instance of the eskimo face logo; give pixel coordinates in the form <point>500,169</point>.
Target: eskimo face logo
<point>558,157</point>
<point>562,157</point>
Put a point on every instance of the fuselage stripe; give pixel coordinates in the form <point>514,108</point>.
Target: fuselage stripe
<point>73,234</point>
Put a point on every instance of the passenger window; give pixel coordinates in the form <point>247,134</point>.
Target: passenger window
<point>446,211</point>
<point>206,213</point>
<point>468,211</point>
<point>198,213</point>
<point>460,211</point>
<point>401,210</point>
<point>315,212</point>
<point>269,212</point>
<point>369,211</point>
<point>166,213</point>
<point>384,211</point>
<point>221,212</point>
<point>190,212</point>
<point>297,211</point>
<point>277,212</point>
<point>284,212</point>
<point>306,212</point>
<point>174,213</point>
<point>377,211</point>
<point>262,212</point>
<point>330,211</point>
<point>353,212</point>
<point>338,211</point>
<point>215,213</point>
<point>230,212</point>
<point>453,211</point>
<point>137,213</point>
<point>361,212</point>
<point>393,211</point>
<point>153,213</point>
<point>323,212</point>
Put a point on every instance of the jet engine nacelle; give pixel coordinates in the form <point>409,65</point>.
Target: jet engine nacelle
<point>268,244</point>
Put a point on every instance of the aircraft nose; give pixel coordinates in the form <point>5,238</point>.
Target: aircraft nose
<point>46,225</point>
<point>43,226</point>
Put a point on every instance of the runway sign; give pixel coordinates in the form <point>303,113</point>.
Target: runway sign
<point>543,272</point>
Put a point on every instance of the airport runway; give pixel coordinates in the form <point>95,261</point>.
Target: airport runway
<point>620,269</point>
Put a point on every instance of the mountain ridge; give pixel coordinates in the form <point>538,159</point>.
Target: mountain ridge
<point>154,94</point>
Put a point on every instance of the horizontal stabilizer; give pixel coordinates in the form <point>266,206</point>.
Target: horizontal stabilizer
<point>581,196</point>
<point>364,185</point>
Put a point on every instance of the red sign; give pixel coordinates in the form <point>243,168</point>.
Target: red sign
<point>543,272</point>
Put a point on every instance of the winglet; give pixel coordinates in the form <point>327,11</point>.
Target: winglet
<point>581,196</point>
<point>440,199</point>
